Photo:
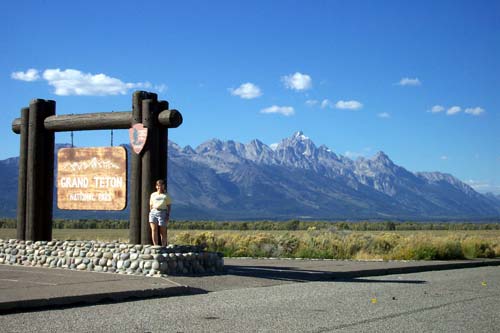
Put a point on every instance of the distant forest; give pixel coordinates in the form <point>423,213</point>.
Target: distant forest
<point>269,225</point>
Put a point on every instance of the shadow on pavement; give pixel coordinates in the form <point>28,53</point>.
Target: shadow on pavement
<point>294,275</point>
<point>85,301</point>
<point>381,281</point>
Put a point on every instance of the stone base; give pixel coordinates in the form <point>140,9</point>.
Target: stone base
<point>112,257</point>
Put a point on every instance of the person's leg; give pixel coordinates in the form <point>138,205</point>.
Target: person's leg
<point>154,233</point>
<point>163,235</point>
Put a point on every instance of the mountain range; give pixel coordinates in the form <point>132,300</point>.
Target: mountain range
<point>294,179</point>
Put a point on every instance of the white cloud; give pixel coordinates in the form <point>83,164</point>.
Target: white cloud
<point>437,109</point>
<point>406,81</point>
<point>160,88</point>
<point>474,111</point>
<point>247,91</point>
<point>352,154</point>
<point>326,104</point>
<point>29,76</point>
<point>348,105</point>
<point>484,186</point>
<point>284,110</point>
<point>70,82</point>
<point>297,81</point>
<point>444,157</point>
<point>384,115</point>
<point>453,110</point>
<point>74,82</point>
<point>311,102</point>
<point>364,153</point>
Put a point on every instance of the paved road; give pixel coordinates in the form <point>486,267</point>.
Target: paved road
<point>462,300</point>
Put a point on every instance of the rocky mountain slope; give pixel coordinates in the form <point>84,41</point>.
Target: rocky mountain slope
<point>296,179</point>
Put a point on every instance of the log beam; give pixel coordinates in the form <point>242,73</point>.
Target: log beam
<point>100,121</point>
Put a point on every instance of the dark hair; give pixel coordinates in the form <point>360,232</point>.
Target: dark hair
<point>160,181</point>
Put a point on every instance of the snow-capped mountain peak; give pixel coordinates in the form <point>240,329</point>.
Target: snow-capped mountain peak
<point>297,176</point>
<point>228,179</point>
<point>299,135</point>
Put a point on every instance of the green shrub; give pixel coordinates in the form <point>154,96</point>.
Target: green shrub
<point>475,248</point>
<point>287,245</point>
<point>385,243</point>
<point>423,252</point>
<point>449,250</point>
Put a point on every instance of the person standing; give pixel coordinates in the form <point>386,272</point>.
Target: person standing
<point>159,205</point>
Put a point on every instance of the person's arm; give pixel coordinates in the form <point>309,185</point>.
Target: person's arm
<point>168,211</point>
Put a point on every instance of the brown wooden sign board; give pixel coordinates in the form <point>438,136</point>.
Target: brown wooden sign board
<point>92,178</point>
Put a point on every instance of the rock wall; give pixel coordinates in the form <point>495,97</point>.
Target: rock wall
<point>112,257</point>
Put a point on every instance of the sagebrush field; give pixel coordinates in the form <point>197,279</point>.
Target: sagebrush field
<point>316,241</point>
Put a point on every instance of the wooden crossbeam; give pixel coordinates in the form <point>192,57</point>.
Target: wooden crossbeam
<point>100,121</point>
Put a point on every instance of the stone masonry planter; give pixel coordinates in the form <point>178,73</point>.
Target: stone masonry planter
<point>112,257</point>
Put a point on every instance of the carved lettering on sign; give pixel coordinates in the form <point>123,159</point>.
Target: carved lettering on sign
<point>92,178</point>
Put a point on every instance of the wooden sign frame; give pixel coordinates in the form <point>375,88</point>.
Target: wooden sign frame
<point>36,127</point>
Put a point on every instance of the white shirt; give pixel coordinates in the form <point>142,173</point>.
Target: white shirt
<point>159,200</point>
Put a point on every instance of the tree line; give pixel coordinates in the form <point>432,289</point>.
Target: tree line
<point>290,225</point>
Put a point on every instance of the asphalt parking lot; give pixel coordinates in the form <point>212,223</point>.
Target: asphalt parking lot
<point>30,288</point>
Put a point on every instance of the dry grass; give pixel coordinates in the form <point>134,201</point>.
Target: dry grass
<point>386,245</point>
<point>393,245</point>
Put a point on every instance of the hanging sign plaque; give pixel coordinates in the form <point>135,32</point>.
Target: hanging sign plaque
<point>92,178</point>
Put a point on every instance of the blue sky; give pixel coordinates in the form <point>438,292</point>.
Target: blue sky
<point>418,80</point>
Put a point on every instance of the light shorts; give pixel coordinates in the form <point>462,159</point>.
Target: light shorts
<point>158,217</point>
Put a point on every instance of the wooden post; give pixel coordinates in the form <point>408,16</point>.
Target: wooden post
<point>21,188</point>
<point>135,177</point>
<point>149,168</point>
<point>163,149</point>
<point>34,175</point>
<point>162,145</point>
<point>161,156</point>
<point>46,201</point>
<point>164,152</point>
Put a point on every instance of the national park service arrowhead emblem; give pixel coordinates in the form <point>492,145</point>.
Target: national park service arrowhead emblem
<point>138,135</point>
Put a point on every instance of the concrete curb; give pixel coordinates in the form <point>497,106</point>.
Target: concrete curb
<point>92,299</point>
<point>415,269</point>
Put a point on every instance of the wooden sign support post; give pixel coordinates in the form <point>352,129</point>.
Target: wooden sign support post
<point>37,175</point>
<point>36,160</point>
